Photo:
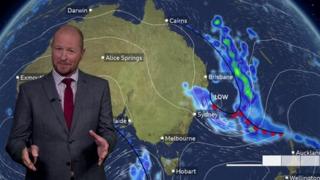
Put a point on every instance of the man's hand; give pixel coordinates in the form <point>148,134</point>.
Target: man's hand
<point>34,151</point>
<point>102,145</point>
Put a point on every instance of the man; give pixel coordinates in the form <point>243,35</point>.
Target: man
<point>62,127</point>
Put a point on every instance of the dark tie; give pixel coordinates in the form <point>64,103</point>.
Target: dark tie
<point>68,101</point>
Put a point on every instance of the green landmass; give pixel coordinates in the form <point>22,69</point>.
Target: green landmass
<point>292,169</point>
<point>279,177</point>
<point>169,164</point>
<point>151,90</point>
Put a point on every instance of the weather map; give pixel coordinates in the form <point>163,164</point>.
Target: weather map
<point>200,89</point>
<point>257,128</point>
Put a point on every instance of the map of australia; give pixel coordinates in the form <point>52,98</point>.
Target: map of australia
<point>146,78</point>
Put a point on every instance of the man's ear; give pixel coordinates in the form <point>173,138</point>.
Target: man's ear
<point>51,43</point>
<point>82,52</point>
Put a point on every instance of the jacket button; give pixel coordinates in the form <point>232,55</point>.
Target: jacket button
<point>68,163</point>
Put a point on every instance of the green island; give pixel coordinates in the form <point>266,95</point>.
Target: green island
<point>169,164</point>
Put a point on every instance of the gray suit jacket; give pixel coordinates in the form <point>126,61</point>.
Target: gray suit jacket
<point>39,118</point>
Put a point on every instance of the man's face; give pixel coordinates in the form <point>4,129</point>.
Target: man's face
<point>66,51</point>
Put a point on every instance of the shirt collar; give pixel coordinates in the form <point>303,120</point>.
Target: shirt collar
<point>58,78</point>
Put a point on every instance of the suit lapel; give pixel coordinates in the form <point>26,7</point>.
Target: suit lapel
<point>51,91</point>
<point>82,92</point>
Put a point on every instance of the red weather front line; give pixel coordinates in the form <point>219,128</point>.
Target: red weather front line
<point>249,122</point>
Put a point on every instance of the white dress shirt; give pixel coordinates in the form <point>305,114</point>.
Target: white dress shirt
<point>60,86</point>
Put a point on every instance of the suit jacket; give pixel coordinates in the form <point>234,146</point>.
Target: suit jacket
<point>39,118</point>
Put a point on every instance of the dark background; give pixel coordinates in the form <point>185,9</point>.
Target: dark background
<point>311,9</point>
<point>9,9</point>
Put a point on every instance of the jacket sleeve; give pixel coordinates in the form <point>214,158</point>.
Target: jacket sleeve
<point>21,128</point>
<point>105,127</point>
